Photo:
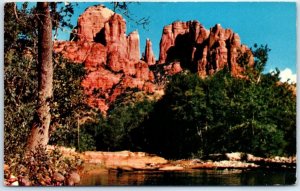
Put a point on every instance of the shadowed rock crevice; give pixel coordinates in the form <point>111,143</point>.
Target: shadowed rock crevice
<point>100,37</point>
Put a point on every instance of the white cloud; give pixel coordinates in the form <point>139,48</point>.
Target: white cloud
<point>286,75</point>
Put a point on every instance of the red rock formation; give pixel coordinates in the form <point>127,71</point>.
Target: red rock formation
<point>167,41</point>
<point>149,55</point>
<point>202,63</point>
<point>202,35</point>
<point>111,58</point>
<point>92,21</point>
<point>133,46</point>
<point>172,68</point>
<point>207,50</point>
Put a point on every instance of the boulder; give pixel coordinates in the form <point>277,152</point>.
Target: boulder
<point>16,183</point>
<point>12,178</point>
<point>58,177</point>
<point>171,168</point>
<point>172,68</point>
<point>234,156</point>
<point>73,179</point>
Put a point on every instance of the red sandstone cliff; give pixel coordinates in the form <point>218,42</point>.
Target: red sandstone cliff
<point>206,51</point>
<point>112,58</point>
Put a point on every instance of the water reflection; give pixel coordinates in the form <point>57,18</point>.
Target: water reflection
<point>190,178</point>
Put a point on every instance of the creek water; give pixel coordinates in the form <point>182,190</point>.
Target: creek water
<point>190,178</point>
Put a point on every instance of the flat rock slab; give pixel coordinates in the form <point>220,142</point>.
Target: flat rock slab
<point>171,168</point>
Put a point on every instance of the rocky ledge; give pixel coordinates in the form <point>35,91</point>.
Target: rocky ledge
<point>130,161</point>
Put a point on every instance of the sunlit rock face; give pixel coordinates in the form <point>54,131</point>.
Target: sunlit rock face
<point>113,62</point>
<point>92,21</point>
<point>111,58</point>
<point>149,55</point>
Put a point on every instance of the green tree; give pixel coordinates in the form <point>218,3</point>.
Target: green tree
<point>20,95</point>
<point>69,110</point>
<point>123,126</point>
<point>21,77</point>
<point>260,59</point>
<point>20,80</point>
<point>261,56</point>
<point>178,123</point>
<point>223,114</point>
<point>25,36</point>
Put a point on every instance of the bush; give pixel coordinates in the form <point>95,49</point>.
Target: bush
<point>43,168</point>
<point>20,93</point>
<point>122,127</point>
<point>68,106</point>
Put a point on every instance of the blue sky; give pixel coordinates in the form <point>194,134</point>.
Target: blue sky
<point>256,22</point>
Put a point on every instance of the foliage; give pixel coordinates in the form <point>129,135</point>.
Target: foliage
<point>20,90</point>
<point>68,108</point>
<point>20,81</point>
<point>123,8</point>
<point>41,167</point>
<point>177,124</point>
<point>20,100</point>
<point>20,84</point>
<point>223,114</point>
<point>20,28</point>
<point>261,56</point>
<point>122,128</point>
<point>21,25</point>
<point>61,15</point>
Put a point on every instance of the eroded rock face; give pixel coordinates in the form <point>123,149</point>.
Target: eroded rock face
<point>149,55</point>
<point>113,62</point>
<point>172,68</point>
<point>133,46</point>
<point>201,50</point>
<point>166,42</point>
<point>112,59</point>
<point>91,22</point>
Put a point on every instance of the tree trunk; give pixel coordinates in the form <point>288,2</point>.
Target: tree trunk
<point>40,130</point>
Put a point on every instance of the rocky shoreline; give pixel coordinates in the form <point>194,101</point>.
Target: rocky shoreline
<point>141,161</point>
<point>131,161</point>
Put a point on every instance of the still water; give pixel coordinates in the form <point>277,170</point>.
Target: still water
<point>191,178</point>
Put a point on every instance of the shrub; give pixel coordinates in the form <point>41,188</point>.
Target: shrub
<point>43,168</point>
